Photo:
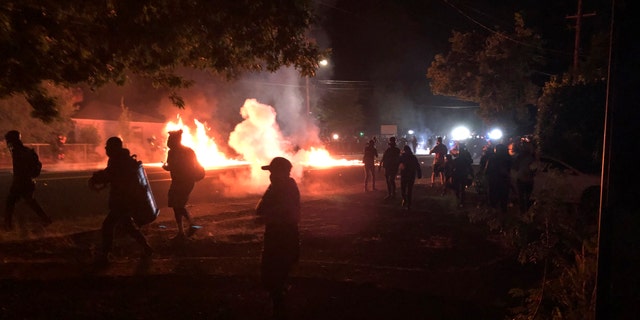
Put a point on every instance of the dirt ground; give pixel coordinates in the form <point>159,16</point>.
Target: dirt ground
<point>362,257</point>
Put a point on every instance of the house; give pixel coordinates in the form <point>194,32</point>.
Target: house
<point>141,133</point>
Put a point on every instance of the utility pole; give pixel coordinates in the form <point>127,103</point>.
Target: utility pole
<point>576,46</point>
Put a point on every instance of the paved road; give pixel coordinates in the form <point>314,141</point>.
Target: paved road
<point>362,258</point>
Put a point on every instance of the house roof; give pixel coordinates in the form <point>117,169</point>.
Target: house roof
<point>112,112</point>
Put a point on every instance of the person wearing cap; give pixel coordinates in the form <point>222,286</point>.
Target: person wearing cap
<point>370,154</point>
<point>121,175</point>
<point>440,150</point>
<point>390,161</point>
<point>279,209</point>
<point>22,185</point>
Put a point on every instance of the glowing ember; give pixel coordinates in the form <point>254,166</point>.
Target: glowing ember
<point>205,147</point>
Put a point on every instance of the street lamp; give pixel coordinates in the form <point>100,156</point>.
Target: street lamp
<point>322,63</point>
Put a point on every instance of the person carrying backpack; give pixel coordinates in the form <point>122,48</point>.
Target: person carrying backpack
<point>26,167</point>
<point>185,170</point>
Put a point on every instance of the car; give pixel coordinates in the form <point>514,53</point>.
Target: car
<point>553,177</point>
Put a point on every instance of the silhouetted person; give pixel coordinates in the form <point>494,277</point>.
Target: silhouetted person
<point>369,158</point>
<point>438,161</point>
<point>26,166</point>
<point>498,174</point>
<point>524,165</point>
<point>390,161</point>
<point>448,169</point>
<point>279,208</point>
<point>462,173</point>
<point>121,175</point>
<point>409,170</point>
<point>414,144</point>
<point>181,161</point>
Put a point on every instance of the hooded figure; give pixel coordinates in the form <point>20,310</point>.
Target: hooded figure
<point>181,161</point>
<point>22,185</point>
<point>279,208</point>
<point>409,170</point>
<point>390,161</point>
<point>121,175</point>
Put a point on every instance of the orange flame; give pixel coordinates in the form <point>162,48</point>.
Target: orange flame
<point>204,146</point>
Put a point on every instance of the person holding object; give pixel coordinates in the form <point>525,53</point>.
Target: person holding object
<point>279,209</point>
<point>121,174</point>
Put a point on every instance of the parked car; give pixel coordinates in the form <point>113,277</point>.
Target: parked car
<point>568,183</point>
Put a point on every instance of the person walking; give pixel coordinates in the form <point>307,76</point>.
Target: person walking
<point>409,170</point>
<point>279,209</point>
<point>121,175</point>
<point>182,164</point>
<point>462,173</point>
<point>498,175</point>
<point>26,167</point>
<point>370,154</point>
<point>390,162</point>
<point>438,162</point>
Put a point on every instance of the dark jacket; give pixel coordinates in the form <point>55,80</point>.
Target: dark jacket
<point>121,175</point>
<point>22,158</point>
<point>280,210</point>
<point>409,166</point>
<point>391,159</point>
<point>181,162</point>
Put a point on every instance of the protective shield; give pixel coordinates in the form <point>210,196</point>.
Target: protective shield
<point>147,211</point>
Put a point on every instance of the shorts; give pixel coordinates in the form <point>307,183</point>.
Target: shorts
<point>179,193</point>
<point>438,168</point>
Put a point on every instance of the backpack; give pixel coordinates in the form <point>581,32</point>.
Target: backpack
<point>198,171</point>
<point>35,166</point>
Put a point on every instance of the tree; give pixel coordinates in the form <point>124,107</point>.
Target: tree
<point>494,71</point>
<point>16,114</point>
<point>340,111</point>
<point>99,42</point>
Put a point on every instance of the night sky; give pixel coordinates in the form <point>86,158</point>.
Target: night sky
<point>388,45</point>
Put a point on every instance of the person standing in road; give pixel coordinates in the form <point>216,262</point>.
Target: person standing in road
<point>279,209</point>
<point>121,175</point>
<point>438,162</point>
<point>181,161</point>
<point>409,169</point>
<point>390,162</point>
<point>26,167</point>
<point>370,154</point>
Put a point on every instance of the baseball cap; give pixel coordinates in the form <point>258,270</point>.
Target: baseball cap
<point>279,164</point>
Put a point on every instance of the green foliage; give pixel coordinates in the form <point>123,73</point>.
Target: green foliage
<point>100,42</point>
<point>341,112</point>
<point>570,122</point>
<point>88,135</point>
<point>494,71</point>
<point>15,114</point>
<point>563,239</point>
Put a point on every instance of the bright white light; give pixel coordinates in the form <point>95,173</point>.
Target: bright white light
<point>323,62</point>
<point>495,134</point>
<point>410,132</point>
<point>460,133</point>
<point>336,136</point>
